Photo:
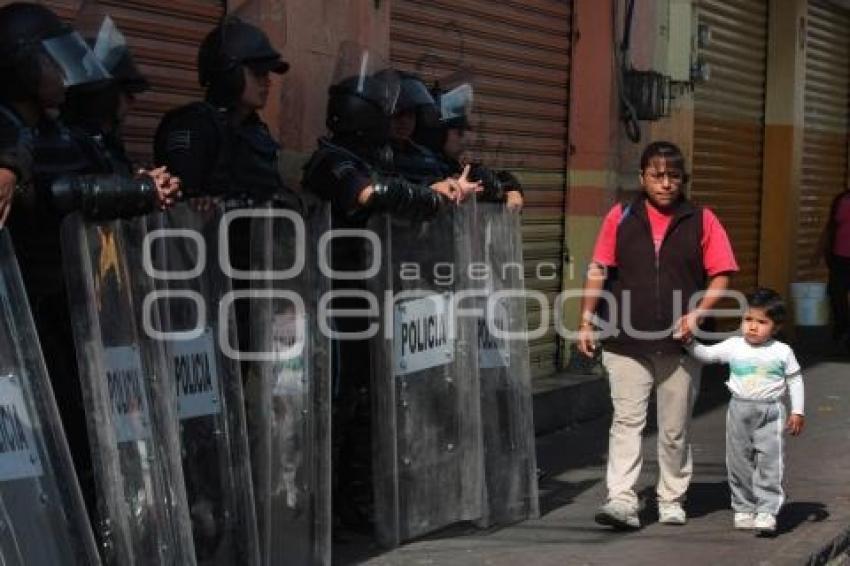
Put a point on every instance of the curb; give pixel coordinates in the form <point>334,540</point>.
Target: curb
<point>567,399</point>
<point>832,550</point>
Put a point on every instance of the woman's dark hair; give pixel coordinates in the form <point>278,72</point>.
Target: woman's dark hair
<point>770,301</point>
<point>669,152</point>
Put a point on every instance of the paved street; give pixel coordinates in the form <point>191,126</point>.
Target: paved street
<point>817,512</point>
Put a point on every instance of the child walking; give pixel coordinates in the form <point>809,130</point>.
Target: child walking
<point>761,369</point>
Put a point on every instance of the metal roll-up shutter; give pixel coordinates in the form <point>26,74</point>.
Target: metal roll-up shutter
<point>164,36</point>
<point>827,96</point>
<point>65,9</point>
<point>729,125</point>
<point>519,55</point>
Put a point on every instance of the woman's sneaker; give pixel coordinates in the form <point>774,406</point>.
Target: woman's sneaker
<point>671,513</point>
<point>765,523</point>
<point>618,515</point>
<point>745,520</point>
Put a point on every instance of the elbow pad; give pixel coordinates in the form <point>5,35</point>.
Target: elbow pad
<point>405,199</point>
<point>104,197</point>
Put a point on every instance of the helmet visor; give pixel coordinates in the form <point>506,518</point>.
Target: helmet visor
<point>75,60</point>
<point>110,46</point>
<point>456,103</point>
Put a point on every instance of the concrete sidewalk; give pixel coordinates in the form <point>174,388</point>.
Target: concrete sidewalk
<point>814,525</point>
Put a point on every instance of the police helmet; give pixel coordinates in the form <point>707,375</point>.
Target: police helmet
<point>414,94</point>
<point>357,108</point>
<point>23,27</point>
<point>225,50</point>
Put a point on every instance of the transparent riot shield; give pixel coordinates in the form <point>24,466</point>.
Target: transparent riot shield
<point>426,430</point>
<point>42,514</point>
<point>289,393</point>
<point>194,301</point>
<point>128,402</point>
<point>510,477</point>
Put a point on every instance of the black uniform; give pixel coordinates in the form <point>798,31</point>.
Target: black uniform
<point>237,163</point>
<point>213,157</point>
<point>42,156</point>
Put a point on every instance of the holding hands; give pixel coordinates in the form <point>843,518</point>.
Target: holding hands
<point>167,186</point>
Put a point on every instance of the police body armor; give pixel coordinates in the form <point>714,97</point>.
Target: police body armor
<point>197,331</point>
<point>289,394</point>
<point>428,466</point>
<point>246,156</point>
<point>53,150</point>
<point>41,508</point>
<point>510,479</point>
<point>129,401</point>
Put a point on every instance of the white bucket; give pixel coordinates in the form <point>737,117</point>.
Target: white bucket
<point>810,303</point>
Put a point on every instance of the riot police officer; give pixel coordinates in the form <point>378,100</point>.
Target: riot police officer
<point>52,172</point>
<point>415,108</point>
<point>220,146</point>
<point>354,169</point>
<point>448,137</point>
<point>97,111</point>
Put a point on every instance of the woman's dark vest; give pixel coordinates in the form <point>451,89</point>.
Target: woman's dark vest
<point>652,292</point>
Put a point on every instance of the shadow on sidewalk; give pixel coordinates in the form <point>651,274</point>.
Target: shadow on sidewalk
<point>796,513</point>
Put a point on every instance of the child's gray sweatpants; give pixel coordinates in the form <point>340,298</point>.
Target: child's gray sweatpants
<point>754,455</point>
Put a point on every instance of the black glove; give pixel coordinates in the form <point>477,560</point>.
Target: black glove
<point>405,199</point>
<point>496,183</point>
<point>105,197</point>
<point>493,190</point>
<point>509,182</point>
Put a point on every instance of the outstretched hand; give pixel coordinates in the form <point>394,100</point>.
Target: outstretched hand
<point>459,189</point>
<point>466,186</point>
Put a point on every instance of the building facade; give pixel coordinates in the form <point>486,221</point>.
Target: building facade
<point>755,91</point>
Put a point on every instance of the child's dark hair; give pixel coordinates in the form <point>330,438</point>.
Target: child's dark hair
<point>669,152</point>
<point>770,301</point>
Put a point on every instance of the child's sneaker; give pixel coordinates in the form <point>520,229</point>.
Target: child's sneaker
<point>671,513</point>
<point>765,522</point>
<point>745,520</point>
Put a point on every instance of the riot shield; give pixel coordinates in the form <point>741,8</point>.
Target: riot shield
<point>42,515</point>
<point>289,393</point>
<point>510,477</point>
<point>197,322</point>
<point>129,404</point>
<point>426,430</point>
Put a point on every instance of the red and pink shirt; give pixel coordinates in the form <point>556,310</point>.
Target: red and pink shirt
<point>717,254</point>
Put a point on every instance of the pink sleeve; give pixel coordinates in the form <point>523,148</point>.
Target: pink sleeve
<point>605,251</point>
<point>717,254</point>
